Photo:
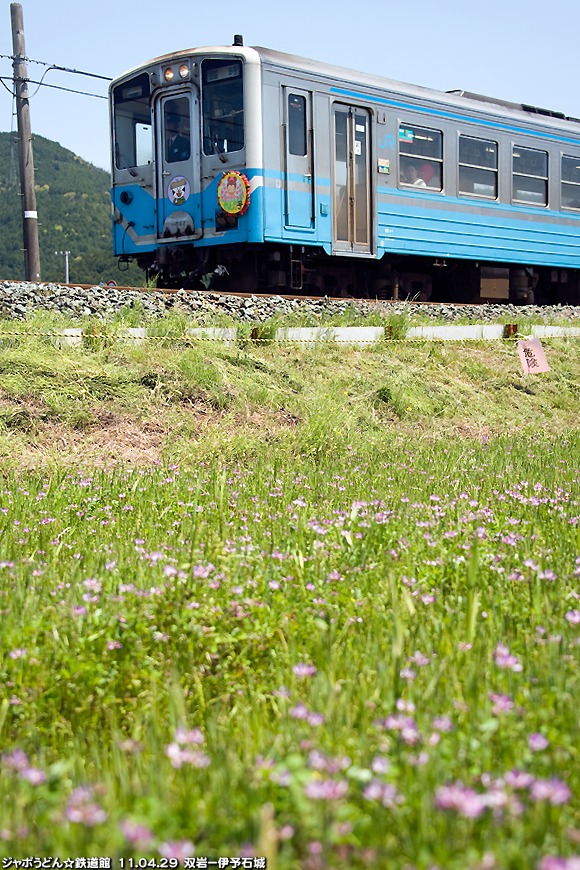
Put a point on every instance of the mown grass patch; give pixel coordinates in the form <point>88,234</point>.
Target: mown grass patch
<point>207,398</point>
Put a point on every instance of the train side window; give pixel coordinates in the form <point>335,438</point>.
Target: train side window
<point>530,176</point>
<point>223,106</point>
<point>477,167</point>
<point>132,123</point>
<point>297,125</point>
<point>570,182</point>
<point>420,157</point>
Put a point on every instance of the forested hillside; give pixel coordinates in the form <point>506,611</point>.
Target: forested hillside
<point>74,213</point>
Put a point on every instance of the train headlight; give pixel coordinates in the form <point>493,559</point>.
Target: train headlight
<point>168,75</point>
<point>184,71</point>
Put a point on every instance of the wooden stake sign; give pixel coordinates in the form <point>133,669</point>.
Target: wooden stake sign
<point>532,356</point>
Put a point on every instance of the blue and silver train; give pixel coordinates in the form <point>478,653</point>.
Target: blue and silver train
<point>249,169</point>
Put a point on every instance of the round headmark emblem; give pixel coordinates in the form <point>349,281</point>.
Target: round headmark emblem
<point>234,193</point>
<point>178,190</point>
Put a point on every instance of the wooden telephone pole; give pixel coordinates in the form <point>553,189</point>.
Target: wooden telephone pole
<point>29,214</point>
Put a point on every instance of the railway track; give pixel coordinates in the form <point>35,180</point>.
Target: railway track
<point>167,291</point>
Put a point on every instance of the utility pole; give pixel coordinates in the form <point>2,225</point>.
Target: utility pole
<point>29,213</point>
<point>65,255</point>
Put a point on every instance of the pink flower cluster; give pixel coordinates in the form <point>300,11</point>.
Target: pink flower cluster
<point>318,761</point>
<point>326,789</point>
<point>384,792</point>
<point>504,659</point>
<point>550,862</point>
<point>471,804</point>
<point>399,722</point>
<point>304,670</point>
<point>178,756</point>
<point>18,761</point>
<point>82,810</point>
<point>301,711</point>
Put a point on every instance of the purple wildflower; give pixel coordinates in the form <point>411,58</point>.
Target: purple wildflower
<point>195,736</point>
<point>304,670</point>
<point>442,723</point>
<point>405,724</point>
<point>300,711</point>
<point>380,764</point>
<point>113,644</point>
<point>202,571</point>
<point>501,703</point>
<point>537,742</point>
<point>79,610</point>
<point>387,794</point>
<point>34,775</point>
<point>573,617</point>
<point>462,799</point>
<point>17,653</point>
<point>326,789</point>
<point>419,760</point>
<point>553,790</point>
<point>178,849</point>
<point>504,659</point>
<point>551,862</point>
<point>179,756</point>
<point>519,779</point>
<point>136,834</point>
<point>17,760</point>
<point>80,809</point>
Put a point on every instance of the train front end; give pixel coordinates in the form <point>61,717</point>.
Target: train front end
<point>186,145</point>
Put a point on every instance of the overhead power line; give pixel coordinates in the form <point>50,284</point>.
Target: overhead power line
<point>77,72</point>
<point>40,84</point>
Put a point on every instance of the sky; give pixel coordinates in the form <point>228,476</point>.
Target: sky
<point>525,52</point>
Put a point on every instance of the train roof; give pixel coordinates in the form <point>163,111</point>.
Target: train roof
<point>458,99</point>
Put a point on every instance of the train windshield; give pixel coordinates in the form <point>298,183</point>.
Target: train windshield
<point>223,106</point>
<point>133,128</point>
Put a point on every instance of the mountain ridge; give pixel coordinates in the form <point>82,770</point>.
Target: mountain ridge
<point>74,214</point>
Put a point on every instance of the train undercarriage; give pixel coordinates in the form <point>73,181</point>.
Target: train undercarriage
<point>295,269</point>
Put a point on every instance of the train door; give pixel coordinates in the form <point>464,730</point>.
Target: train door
<point>351,179</point>
<point>178,182</point>
<point>299,181</point>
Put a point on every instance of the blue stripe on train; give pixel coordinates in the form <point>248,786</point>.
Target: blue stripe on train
<point>500,238</point>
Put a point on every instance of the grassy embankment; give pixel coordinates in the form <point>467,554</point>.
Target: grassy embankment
<point>113,401</point>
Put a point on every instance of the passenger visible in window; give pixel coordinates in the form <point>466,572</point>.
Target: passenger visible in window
<point>177,147</point>
<point>410,175</point>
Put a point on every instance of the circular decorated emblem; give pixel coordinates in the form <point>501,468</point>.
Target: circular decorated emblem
<point>234,192</point>
<point>178,190</point>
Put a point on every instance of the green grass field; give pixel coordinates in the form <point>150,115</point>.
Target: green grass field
<point>329,617</point>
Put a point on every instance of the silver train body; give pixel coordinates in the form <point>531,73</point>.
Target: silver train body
<point>343,183</point>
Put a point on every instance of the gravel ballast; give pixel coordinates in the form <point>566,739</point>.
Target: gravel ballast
<point>21,299</point>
